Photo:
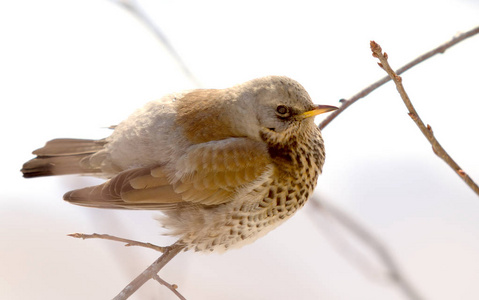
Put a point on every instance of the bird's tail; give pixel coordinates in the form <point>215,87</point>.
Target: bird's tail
<point>63,156</point>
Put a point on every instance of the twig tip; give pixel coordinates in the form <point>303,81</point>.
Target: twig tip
<point>375,48</point>
<point>76,235</point>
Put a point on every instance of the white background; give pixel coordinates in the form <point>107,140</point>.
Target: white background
<point>72,68</point>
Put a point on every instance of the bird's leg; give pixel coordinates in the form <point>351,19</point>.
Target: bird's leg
<point>118,239</point>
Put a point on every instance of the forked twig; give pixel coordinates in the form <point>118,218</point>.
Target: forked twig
<point>440,49</point>
<point>150,272</point>
<point>426,130</point>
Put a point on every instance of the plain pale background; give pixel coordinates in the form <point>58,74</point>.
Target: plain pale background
<point>72,68</point>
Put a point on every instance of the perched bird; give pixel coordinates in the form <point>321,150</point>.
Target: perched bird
<point>224,166</point>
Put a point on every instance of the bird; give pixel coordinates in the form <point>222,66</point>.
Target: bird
<point>223,166</point>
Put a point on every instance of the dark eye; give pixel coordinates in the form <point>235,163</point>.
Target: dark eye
<point>282,111</point>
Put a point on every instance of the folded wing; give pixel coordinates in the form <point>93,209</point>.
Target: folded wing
<point>210,173</point>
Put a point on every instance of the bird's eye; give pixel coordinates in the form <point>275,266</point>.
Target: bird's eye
<point>282,111</point>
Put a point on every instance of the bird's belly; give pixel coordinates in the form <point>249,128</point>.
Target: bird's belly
<point>238,223</point>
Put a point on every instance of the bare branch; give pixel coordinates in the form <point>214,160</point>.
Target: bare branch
<point>117,239</point>
<point>134,8</point>
<point>150,272</point>
<point>440,49</point>
<point>426,130</point>
<point>394,273</point>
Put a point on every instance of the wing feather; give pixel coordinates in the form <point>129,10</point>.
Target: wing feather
<point>210,173</point>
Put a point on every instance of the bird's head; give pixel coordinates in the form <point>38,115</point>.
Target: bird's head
<point>270,109</point>
<point>280,108</point>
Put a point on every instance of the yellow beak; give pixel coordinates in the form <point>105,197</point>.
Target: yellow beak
<point>320,109</point>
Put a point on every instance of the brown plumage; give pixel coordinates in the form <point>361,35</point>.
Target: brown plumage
<point>224,166</point>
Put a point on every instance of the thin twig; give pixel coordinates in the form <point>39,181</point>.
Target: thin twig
<point>440,49</point>
<point>426,130</point>
<point>394,272</point>
<point>127,242</point>
<point>150,272</point>
<point>171,287</point>
<point>134,8</point>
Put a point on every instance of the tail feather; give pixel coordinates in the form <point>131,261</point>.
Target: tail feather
<point>63,156</point>
<point>67,147</point>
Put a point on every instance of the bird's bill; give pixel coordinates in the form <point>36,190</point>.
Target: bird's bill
<point>320,109</point>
